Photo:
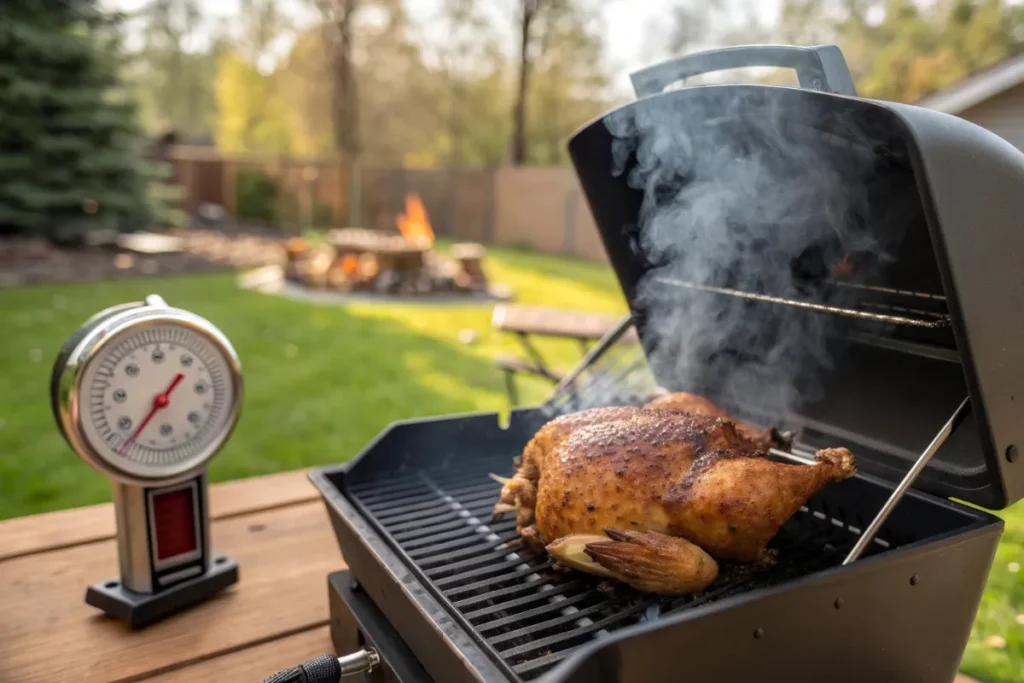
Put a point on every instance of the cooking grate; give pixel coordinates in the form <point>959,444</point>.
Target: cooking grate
<point>527,615</point>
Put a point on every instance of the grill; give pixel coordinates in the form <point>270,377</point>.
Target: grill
<point>904,306</point>
<point>415,528</point>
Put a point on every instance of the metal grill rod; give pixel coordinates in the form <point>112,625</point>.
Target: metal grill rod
<point>847,312</point>
<point>606,342</point>
<point>794,455</point>
<point>890,290</point>
<point>908,479</point>
<point>613,381</point>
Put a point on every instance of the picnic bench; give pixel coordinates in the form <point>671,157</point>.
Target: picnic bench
<point>527,322</point>
<point>276,615</point>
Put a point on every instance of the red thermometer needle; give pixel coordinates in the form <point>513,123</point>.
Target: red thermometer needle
<point>159,401</point>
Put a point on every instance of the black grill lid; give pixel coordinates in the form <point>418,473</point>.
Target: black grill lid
<point>850,268</point>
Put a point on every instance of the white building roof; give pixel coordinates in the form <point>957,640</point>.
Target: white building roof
<point>977,87</point>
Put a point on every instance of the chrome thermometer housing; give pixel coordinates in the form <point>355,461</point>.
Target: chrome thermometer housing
<point>147,394</point>
<point>109,373</point>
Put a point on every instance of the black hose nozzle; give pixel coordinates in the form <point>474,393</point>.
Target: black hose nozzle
<point>328,668</point>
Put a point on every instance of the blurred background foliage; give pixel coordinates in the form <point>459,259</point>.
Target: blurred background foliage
<point>268,79</point>
<point>67,125</point>
<point>473,83</point>
<point>421,101</point>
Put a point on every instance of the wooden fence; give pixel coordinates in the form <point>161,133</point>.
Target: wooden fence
<point>541,208</point>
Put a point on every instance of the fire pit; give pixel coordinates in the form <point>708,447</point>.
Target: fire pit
<point>376,264</point>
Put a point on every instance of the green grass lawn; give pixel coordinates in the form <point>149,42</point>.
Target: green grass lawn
<point>322,380</point>
<point>1001,615</point>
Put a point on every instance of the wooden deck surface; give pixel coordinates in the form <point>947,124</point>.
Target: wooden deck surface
<point>274,617</point>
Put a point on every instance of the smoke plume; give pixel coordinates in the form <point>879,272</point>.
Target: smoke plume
<point>743,192</point>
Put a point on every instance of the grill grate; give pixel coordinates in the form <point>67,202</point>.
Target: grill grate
<point>528,615</point>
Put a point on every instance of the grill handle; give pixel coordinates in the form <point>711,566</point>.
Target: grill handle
<point>328,668</point>
<point>821,67</point>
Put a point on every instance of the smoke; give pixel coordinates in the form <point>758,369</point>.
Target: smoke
<point>619,376</point>
<point>743,192</point>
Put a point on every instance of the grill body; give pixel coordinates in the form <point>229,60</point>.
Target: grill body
<point>412,516</point>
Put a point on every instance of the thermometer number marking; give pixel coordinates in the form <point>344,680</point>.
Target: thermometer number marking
<point>143,365</point>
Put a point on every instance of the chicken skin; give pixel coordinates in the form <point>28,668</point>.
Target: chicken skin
<point>694,404</point>
<point>697,485</point>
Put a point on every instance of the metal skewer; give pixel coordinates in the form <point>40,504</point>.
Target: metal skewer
<point>607,341</point>
<point>883,514</point>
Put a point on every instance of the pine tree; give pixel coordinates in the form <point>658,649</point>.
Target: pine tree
<point>69,162</point>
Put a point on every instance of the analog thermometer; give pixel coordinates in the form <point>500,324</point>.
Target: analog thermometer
<point>147,394</point>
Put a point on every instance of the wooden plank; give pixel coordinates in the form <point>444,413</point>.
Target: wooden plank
<point>48,632</point>
<point>65,528</point>
<point>552,322</point>
<point>255,663</point>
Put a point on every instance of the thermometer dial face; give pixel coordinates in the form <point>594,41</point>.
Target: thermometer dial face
<point>147,393</point>
<point>156,399</point>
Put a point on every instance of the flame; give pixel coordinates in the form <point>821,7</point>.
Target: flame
<point>296,246</point>
<point>350,264</point>
<point>414,224</point>
<point>844,269</point>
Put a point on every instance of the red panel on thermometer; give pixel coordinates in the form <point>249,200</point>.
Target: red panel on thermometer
<point>174,520</point>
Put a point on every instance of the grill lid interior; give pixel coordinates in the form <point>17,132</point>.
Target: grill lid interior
<point>782,253</point>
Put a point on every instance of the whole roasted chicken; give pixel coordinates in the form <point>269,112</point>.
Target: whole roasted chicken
<point>653,496</point>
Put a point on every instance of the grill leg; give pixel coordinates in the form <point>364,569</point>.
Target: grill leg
<point>511,390</point>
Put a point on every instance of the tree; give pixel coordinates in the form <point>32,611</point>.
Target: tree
<point>67,126</point>
<point>432,100</point>
<point>569,83</point>
<point>262,23</point>
<point>250,115</point>
<point>338,20</point>
<point>703,24</point>
<point>300,79</point>
<point>897,50</point>
<point>541,30</point>
<point>528,11</point>
<point>471,60</point>
<point>171,72</point>
<point>903,50</point>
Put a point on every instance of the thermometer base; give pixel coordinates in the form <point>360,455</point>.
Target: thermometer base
<point>141,609</point>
